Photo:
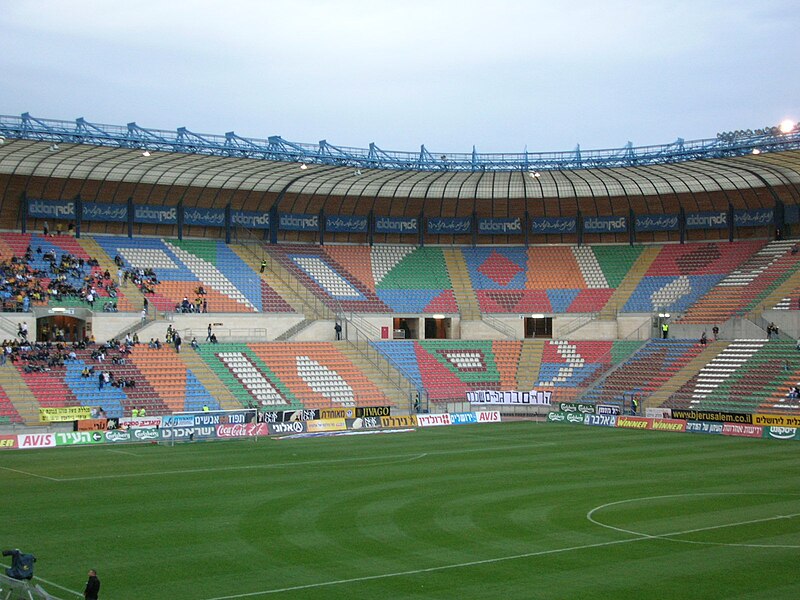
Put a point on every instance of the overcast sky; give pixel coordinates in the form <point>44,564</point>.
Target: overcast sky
<point>501,75</point>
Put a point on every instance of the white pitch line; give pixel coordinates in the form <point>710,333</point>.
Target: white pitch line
<point>426,570</point>
<point>375,461</point>
<point>61,587</point>
<point>29,474</point>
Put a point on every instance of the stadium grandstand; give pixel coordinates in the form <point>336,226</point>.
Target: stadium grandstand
<point>445,273</point>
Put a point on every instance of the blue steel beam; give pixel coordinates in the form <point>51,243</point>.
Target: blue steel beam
<point>275,148</point>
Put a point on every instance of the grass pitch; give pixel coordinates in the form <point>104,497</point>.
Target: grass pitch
<point>507,511</point>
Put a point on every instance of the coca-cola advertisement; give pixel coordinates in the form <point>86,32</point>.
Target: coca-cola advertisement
<point>242,430</point>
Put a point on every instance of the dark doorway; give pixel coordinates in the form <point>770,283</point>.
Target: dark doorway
<point>539,327</point>
<point>60,328</point>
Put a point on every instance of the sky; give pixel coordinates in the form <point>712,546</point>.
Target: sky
<point>502,76</point>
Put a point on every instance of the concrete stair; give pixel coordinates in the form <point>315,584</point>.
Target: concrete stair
<point>131,298</point>
<point>784,290</point>
<point>19,393</point>
<point>623,292</point>
<point>689,370</point>
<point>462,284</point>
<point>357,353</point>
<point>212,383</point>
<point>530,361</point>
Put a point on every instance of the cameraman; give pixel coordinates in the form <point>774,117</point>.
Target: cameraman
<point>21,564</point>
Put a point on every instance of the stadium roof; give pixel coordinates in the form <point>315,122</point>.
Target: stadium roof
<point>79,149</point>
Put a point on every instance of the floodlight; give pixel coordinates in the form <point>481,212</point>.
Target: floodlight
<point>303,167</point>
<point>756,151</point>
<point>786,126</point>
<point>53,147</point>
<point>146,153</point>
<point>2,140</point>
<point>535,174</point>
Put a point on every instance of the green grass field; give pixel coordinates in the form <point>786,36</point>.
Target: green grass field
<point>517,510</point>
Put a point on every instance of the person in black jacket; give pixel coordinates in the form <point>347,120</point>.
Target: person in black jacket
<point>92,586</point>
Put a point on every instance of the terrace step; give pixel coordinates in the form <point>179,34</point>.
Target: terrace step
<point>689,370</point>
<point>462,284</point>
<point>626,288</point>
<point>209,379</point>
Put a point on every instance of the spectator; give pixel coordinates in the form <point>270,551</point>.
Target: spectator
<point>703,339</point>
<point>715,331</point>
<point>195,345</point>
<point>208,333</point>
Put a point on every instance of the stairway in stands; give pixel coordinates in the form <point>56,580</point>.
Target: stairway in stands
<point>462,284</point>
<point>623,292</point>
<point>530,363</point>
<point>129,298</point>
<point>19,394</point>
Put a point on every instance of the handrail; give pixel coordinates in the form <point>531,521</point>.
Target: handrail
<point>500,326</point>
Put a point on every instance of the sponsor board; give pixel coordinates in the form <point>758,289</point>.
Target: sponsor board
<point>600,420</point>
<point>434,420</point>
<point>36,440</point>
<point>177,421</point>
<point>250,219</point>
<point>463,418</point>
<point>145,435</point>
<point>558,417</point>
<point>742,430</point>
<point>209,217</point>
<point>676,425</point>
<point>781,433</point>
<point>326,425</point>
<point>64,413</point>
<point>97,211</point>
<point>573,407</point>
<point>449,225</point>
<point>148,213</point>
<point>608,409</point>
<point>711,415</point>
<point>364,423</point>
<point>283,416</point>
<point>657,412</point>
<point>777,420</point>
<point>490,226</point>
<point>137,423</point>
<point>714,428</point>
<point>337,413</point>
<point>346,224</point>
<point>118,436</point>
<point>634,422</point>
<point>657,222</point>
<point>396,225</point>
<point>223,417</point>
<point>707,220</point>
<point>399,421</point>
<point>373,411</point>
<point>554,225</point>
<point>8,442</point>
<point>79,438</point>
<point>605,224</point>
<point>190,433</point>
<point>298,222</point>
<point>497,397</point>
<point>91,425</point>
<point>234,430</point>
<point>488,416</point>
<point>286,428</point>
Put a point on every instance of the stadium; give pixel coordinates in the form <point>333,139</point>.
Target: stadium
<point>551,303</point>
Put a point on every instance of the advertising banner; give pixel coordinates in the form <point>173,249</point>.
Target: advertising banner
<point>711,415</point>
<point>634,422</point>
<point>605,224</point>
<point>145,435</point>
<point>464,418</point>
<point>707,220</point>
<point>350,224</point>
<point>600,420</point>
<point>79,438</point>
<point>656,223</point>
<point>284,416</point>
<point>608,409</point>
<point>565,417</point>
<point>286,428</point>
<point>323,425</point>
<point>250,219</point>
<point>223,417</point>
<point>298,222</point>
<point>449,225</point>
<point>554,225</point>
<point>757,217</point>
<point>488,416</point>
<point>493,226</point>
<point>51,209</point>
<point>64,413</point>
<point>399,421</point>
<point>140,422</point>
<point>373,411</point>
<point>434,420</point>
<point>188,433</point>
<point>8,442</point>
<point>674,425</point>
<point>363,423</point>
<point>573,407</point>
<point>242,430</point>
<point>36,440</point>
<point>791,213</point>
<point>118,436</point>
<point>106,213</point>
<point>91,425</point>
<point>186,420</point>
<point>704,427</point>
<point>396,225</point>
<point>742,430</point>
<point>657,412</point>
<point>337,413</point>
<point>159,215</point>
<point>207,217</point>
<point>776,420</point>
<point>498,397</point>
<point>772,432</point>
